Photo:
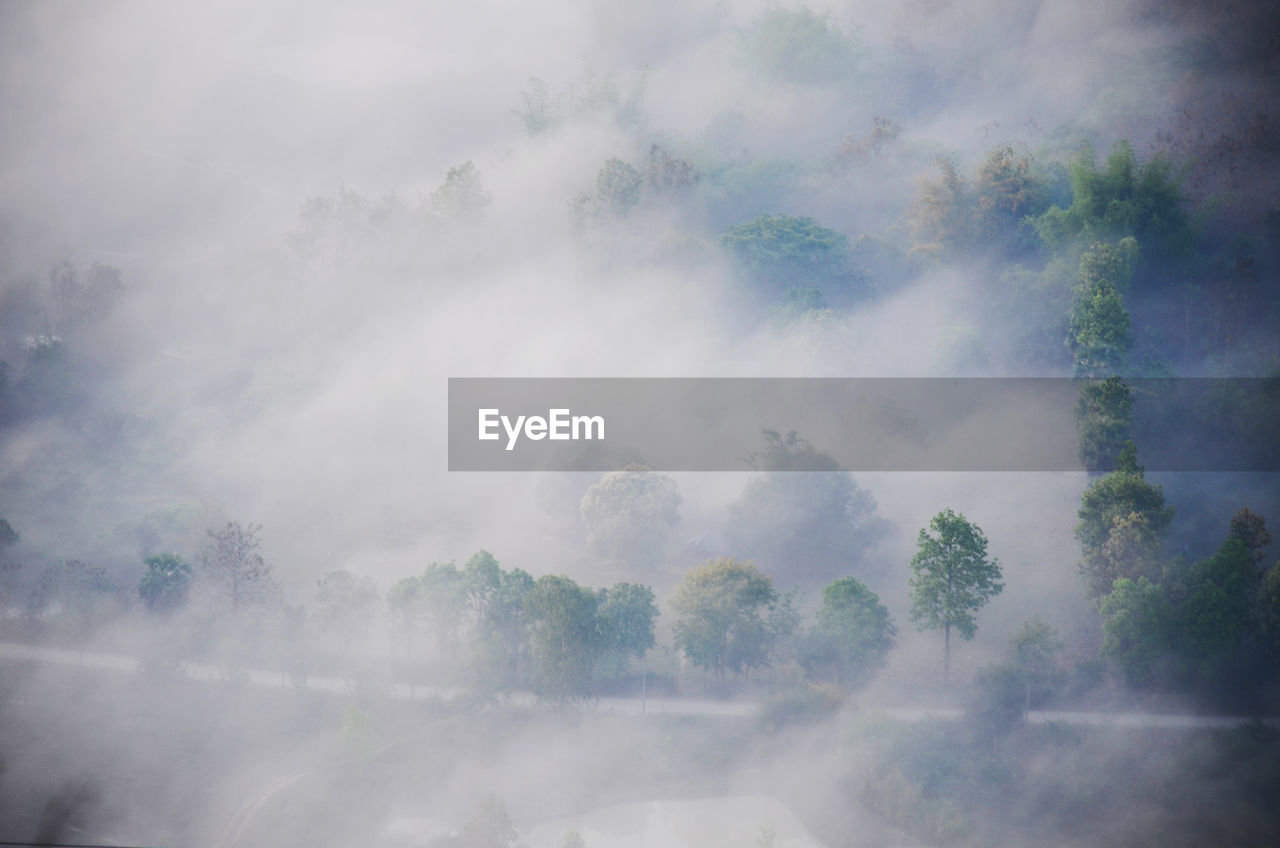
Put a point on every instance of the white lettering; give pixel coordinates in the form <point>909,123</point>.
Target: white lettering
<point>513,433</point>
<point>560,425</point>
<point>487,421</point>
<point>587,422</point>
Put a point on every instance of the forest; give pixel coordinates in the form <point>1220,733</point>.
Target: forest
<point>243,601</point>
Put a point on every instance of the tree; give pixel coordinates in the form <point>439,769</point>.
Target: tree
<point>232,562</point>
<point>166,582</point>
<point>1251,529</point>
<point>1104,415</point>
<point>462,196</point>
<point>720,611</point>
<point>779,252</point>
<point>1007,192</point>
<point>942,217</point>
<point>1266,616</point>
<point>1136,628</point>
<point>798,46</point>
<point>952,579</point>
<point>1213,616</point>
<point>442,599</point>
<point>1036,650</point>
<point>1122,521</point>
<point>502,630</point>
<point>617,189</point>
<point>853,636</point>
<point>809,526</point>
<point>1100,332</point>
<point>567,636</point>
<point>481,577</point>
<point>81,593</point>
<point>627,616</point>
<point>630,516</point>
<point>1121,199</point>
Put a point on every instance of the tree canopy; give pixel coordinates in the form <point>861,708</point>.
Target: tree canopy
<point>952,578</point>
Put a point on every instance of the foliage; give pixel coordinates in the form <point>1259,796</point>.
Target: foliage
<point>166,582</point>
<point>998,701</point>
<point>1266,616</point>
<point>1122,521</point>
<point>853,635</point>
<point>232,563</point>
<point>943,212</point>
<point>805,703</point>
<point>1104,415</point>
<point>1100,331</point>
<point>627,615</point>
<point>809,526</point>
<point>779,252</point>
<point>953,215</point>
<point>951,578</point>
<point>78,590</point>
<point>462,197</point>
<point>567,636</point>
<point>589,94</point>
<point>630,516</point>
<point>1251,530</point>
<point>1120,199</point>
<point>720,609</point>
<point>798,46</point>
<point>668,175</point>
<point>1137,625</point>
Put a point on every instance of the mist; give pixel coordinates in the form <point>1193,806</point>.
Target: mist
<point>243,248</point>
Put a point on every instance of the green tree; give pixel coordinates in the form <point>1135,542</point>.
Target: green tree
<point>567,636</point>
<point>721,622</point>
<point>779,252</point>
<point>630,516</point>
<point>1266,616</point>
<point>1121,199</point>
<point>1123,519</point>
<point>443,601</point>
<point>618,188</point>
<point>627,616</point>
<point>502,631</point>
<point>798,46</point>
<point>1137,623</point>
<point>1100,332</point>
<point>166,582</point>
<point>481,578</point>
<point>1251,529</point>
<point>853,635</point>
<point>951,579</point>
<point>1104,416</point>
<point>1036,653</point>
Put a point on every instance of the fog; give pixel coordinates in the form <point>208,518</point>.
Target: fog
<point>244,246</point>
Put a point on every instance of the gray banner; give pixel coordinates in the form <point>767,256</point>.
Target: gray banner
<point>924,424</point>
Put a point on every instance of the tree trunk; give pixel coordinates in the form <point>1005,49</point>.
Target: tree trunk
<point>946,655</point>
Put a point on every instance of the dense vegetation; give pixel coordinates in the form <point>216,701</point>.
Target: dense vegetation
<point>182,486</point>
